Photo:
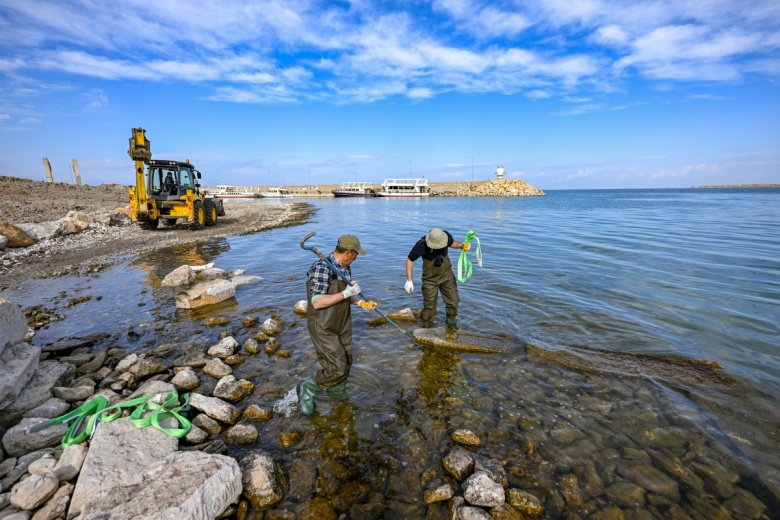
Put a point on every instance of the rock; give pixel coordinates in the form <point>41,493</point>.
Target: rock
<point>186,380</point>
<point>301,308</point>
<point>206,293</point>
<point>16,442</point>
<point>211,273</point>
<point>626,494</point>
<point>193,359</point>
<point>207,424</point>
<point>231,389</point>
<point>45,230</point>
<point>458,463</point>
<point>76,222</point>
<point>118,454</point>
<point>15,236</point>
<point>38,390</point>
<point>147,367</point>
<point>189,484</point>
<point>3,242</point>
<point>66,345</point>
<point>249,321</point>
<point>196,435</point>
<point>160,389</point>
<point>256,414</point>
<point>31,493</point>
<point>528,505</point>
<point>42,465</point>
<point>472,513</point>
<point>18,364</point>
<point>466,438</point>
<point>439,492</point>
<point>651,479</point>
<point>251,346</point>
<point>217,369</point>
<point>263,480</point>
<point>127,363</point>
<point>245,279</point>
<point>71,460</point>
<point>271,327</point>
<point>57,505</point>
<point>182,275</point>
<point>481,490</point>
<point>460,341</point>
<point>241,434</point>
<point>227,346</point>
<point>13,325</point>
<point>216,322</point>
<point>79,393</point>
<point>290,439</point>
<point>272,346</point>
<point>215,408</point>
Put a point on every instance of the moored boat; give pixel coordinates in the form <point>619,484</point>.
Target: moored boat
<point>354,189</point>
<point>404,188</point>
<point>276,192</point>
<point>223,191</point>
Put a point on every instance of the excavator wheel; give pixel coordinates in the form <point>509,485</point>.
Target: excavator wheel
<point>199,215</point>
<point>170,222</point>
<point>211,212</point>
<point>150,224</point>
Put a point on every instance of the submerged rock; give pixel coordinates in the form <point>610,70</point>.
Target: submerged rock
<point>460,341</point>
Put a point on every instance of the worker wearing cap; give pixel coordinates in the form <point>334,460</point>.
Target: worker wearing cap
<point>329,319</point>
<point>437,275</point>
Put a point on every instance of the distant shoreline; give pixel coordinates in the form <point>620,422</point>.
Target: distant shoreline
<point>738,186</point>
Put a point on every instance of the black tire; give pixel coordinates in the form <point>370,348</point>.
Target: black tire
<point>150,224</point>
<point>220,207</point>
<point>199,215</point>
<point>211,212</point>
<point>170,221</point>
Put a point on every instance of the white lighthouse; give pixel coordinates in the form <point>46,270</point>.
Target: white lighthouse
<point>500,173</point>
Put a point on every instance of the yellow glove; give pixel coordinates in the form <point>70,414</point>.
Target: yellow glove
<point>466,246</point>
<point>367,306</point>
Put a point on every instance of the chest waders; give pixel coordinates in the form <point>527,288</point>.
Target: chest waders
<point>437,279</point>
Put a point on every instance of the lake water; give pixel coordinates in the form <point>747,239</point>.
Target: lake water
<point>604,296</point>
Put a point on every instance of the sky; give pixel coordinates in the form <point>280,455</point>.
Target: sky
<point>564,94</point>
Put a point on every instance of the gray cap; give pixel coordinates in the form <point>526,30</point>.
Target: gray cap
<point>351,242</point>
<point>436,239</point>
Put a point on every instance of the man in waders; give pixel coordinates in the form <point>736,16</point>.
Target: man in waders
<point>437,275</point>
<point>329,319</point>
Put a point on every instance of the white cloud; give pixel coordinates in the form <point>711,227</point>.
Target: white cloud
<point>5,117</point>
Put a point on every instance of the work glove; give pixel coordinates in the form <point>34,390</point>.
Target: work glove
<point>409,287</point>
<point>351,290</point>
<point>466,246</point>
<point>367,306</point>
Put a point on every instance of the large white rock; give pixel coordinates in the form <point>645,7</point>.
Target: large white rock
<point>188,484</point>
<point>182,275</point>
<point>13,324</point>
<point>206,293</point>
<point>118,454</point>
<point>38,390</point>
<point>17,366</point>
<point>45,230</point>
<point>16,442</point>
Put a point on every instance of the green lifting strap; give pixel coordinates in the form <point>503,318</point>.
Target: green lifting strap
<point>98,409</point>
<point>464,265</point>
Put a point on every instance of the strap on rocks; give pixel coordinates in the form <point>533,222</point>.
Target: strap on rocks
<point>464,265</point>
<point>98,409</point>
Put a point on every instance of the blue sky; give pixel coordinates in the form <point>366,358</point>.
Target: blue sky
<point>564,94</point>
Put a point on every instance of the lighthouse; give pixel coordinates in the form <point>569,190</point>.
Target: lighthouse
<point>500,173</point>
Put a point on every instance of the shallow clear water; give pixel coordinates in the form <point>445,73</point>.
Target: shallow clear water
<point>691,273</point>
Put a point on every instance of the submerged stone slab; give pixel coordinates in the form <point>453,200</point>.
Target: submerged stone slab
<point>460,341</point>
<point>206,293</point>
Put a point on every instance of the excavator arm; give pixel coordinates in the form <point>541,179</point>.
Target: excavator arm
<point>140,151</point>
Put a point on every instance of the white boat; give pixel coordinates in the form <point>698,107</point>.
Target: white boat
<point>354,189</point>
<point>403,188</point>
<point>223,191</point>
<point>276,192</point>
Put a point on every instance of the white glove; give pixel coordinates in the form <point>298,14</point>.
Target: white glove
<point>352,290</point>
<point>409,286</point>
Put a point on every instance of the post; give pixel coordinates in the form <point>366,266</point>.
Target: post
<point>47,169</point>
<point>76,172</point>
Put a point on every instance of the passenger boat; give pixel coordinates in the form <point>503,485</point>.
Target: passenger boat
<point>276,192</point>
<point>354,189</point>
<point>223,191</point>
<point>403,188</point>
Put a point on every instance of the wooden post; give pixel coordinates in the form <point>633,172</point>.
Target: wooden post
<point>47,167</point>
<point>76,172</point>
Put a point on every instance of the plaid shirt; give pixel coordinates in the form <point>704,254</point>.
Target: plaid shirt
<point>320,275</point>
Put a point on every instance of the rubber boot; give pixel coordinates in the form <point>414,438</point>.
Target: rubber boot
<point>338,392</point>
<point>452,324</point>
<point>307,389</point>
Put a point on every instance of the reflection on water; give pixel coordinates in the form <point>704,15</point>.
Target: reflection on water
<point>665,273</point>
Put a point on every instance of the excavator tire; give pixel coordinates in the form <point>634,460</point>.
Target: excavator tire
<point>211,212</point>
<point>199,215</point>
<point>170,221</point>
<point>150,224</point>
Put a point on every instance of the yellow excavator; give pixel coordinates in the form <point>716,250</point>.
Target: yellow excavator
<point>168,191</point>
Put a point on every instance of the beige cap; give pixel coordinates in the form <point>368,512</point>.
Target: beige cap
<point>436,239</point>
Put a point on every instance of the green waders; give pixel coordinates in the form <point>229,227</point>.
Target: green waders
<point>331,332</point>
<point>437,279</point>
